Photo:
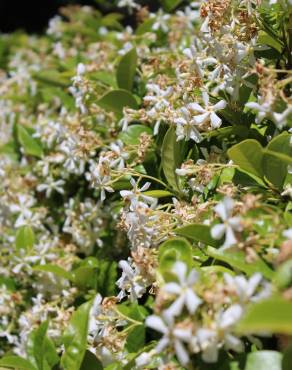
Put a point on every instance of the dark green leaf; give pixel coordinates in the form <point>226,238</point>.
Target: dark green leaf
<point>90,362</point>
<point>171,156</point>
<point>136,339</point>
<point>237,259</point>
<point>199,233</point>
<point>126,70</point>
<point>248,155</point>
<point>132,134</point>
<point>116,100</point>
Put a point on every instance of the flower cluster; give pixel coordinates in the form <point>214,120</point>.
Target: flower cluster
<point>145,187</point>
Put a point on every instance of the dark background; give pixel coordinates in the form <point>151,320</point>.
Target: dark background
<point>33,15</point>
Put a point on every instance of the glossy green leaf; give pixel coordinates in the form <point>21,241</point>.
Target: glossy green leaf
<point>172,154</point>
<point>264,360</point>
<point>132,134</point>
<point>277,156</point>
<point>172,250</point>
<point>248,155</point>
<point>90,362</point>
<point>54,269</point>
<point>75,338</point>
<point>41,349</point>
<point>158,193</point>
<point>170,5</point>
<point>283,275</point>
<point>237,260</point>
<point>116,100</point>
<point>28,143</point>
<point>52,77</point>
<point>272,315</point>
<point>16,362</point>
<point>126,70</point>
<point>199,233</point>
<point>136,339</point>
<point>25,237</point>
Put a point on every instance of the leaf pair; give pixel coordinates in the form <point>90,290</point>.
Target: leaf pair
<point>268,163</point>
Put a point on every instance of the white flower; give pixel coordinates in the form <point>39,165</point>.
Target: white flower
<point>288,233</point>
<point>159,99</point>
<point>130,4</point>
<point>160,21</point>
<point>130,282</point>
<point>186,126</point>
<point>246,288</point>
<point>264,109</point>
<point>229,225</point>
<point>172,336</point>
<point>183,290</point>
<point>207,114</point>
<point>99,180</point>
<point>209,341</point>
<point>51,185</point>
<point>134,195</point>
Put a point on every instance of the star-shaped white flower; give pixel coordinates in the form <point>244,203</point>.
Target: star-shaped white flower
<point>229,225</point>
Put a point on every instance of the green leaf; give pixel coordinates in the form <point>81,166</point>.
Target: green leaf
<point>283,275</point>
<point>145,27</point>
<point>75,338</point>
<point>132,134</point>
<point>171,156</point>
<point>248,155</point>
<point>158,193</point>
<point>126,70</point>
<point>41,349</point>
<point>25,237</point>
<point>85,276</point>
<point>277,156</point>
<point>90,362</point>
<point>170,5</point>
<point>29,144</point>
<point>116,100</point>
<point>265,38</point>
<point>52,77</point>
<point>272,315</point>
<point>237,259</point>
<point>54,269</point>
<point>172,250</point>
<point>199,233</point>
<point>264,360</point>
<point>16,362</point>
<point>136,339</point>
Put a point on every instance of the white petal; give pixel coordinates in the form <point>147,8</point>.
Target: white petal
<point>175,309</point>
<point>220,105</point>
<point>215,120</point>
<point>193,277</point>
<point>180,269</point>
<point>253,283</point>
<point>156,323</point>
<point>218,231</point>
<point>233,343</point>
<point>172,288</point>
<point>210,354</point>
<point>181,352</point>
<point>230,238</point>
<point>192,301</point>
<point>201,118</point>
<point>196,107</point>
<point>230,316</point>
<point>162,344</point>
